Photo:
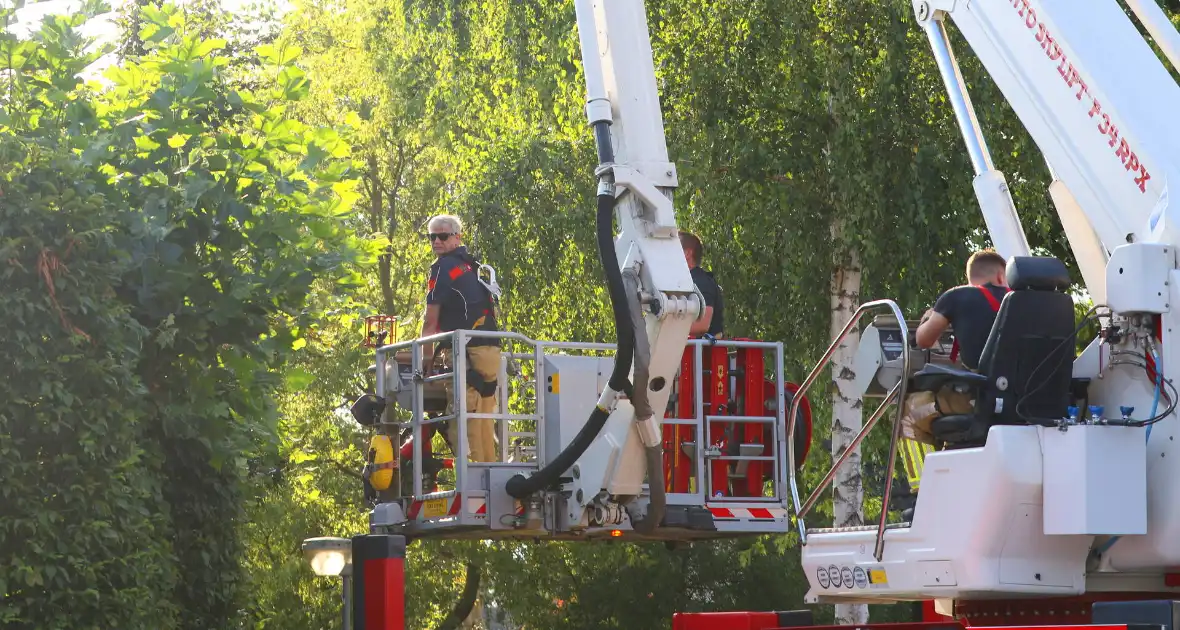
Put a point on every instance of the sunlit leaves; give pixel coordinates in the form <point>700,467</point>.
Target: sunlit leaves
<point>208,225</point>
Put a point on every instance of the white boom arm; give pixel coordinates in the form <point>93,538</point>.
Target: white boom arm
<point>623,107</point>
<point>1095,99</point>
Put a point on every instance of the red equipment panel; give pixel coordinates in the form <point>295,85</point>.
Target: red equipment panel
<point>678,466</point>
<point>725,621</point>
<point>751,384</point>
<point>1059,612</point>
<point>775,621</point>
<point>716,404</point>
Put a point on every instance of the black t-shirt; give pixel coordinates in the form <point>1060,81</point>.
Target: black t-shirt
<point>972,316</point>
<point>712,292</point>
<point>464,303</point>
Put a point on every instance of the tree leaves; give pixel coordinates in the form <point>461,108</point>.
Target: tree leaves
<point>180,227</point>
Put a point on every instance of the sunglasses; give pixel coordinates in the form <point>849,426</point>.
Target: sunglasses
<point>441,236</point>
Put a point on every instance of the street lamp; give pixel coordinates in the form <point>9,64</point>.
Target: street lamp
<point>331,556</point>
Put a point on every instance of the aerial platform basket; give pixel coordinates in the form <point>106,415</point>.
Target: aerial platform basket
<point>730,396</point>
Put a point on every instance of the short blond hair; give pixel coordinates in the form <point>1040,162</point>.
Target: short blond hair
<point>984,264</point>
<point>451,221</point>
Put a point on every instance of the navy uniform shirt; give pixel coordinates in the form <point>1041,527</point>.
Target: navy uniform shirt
<point>464,303</point>
<point>972,315</point>
<point>712,292</point>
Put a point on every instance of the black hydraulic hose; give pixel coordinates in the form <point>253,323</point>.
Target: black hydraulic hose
<point>520,486</point>
<point>658,505</point>
<point>641,355</point>
<point>606,151</point>
<point>608,258</point>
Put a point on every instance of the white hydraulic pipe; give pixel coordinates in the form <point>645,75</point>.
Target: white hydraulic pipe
<point>1159,27</point>
<point>991,188</point>
<point>597,103</point>
<point>999,214</point>
<point>956,90</point>
<point>1083,240</point>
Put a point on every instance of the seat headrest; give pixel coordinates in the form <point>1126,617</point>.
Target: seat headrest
<point>1037,273</point>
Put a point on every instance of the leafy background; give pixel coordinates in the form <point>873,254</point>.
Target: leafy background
<point>189,242</point>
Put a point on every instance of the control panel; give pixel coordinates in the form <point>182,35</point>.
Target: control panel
<point>879,358</point>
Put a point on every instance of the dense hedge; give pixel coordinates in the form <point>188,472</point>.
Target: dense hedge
<point>158,240</point>
<point>84,531</point>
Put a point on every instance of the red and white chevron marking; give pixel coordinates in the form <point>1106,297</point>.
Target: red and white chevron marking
<point>747,514</point>
<point>479,507</point>
<point>444,506</point>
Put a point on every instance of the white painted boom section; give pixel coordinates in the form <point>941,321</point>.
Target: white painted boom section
<point>1093,96</point>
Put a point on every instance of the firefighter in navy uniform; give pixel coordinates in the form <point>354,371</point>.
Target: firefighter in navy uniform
<point>712,323</point>
<point>971,308</point>
<point>456,299</point>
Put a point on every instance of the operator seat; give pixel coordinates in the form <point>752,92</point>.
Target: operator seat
<point>1026,368</point>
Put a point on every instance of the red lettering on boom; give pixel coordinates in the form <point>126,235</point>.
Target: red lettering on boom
<point>1056,52</point>
<point>1142,181</point>
<point>1133,162</point>
<point>1123,150</point>
<point>1072,77</point>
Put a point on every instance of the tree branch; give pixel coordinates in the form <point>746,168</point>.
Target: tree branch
<point>351,473</point>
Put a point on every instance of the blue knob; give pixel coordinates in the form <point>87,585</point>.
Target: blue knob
<point>1126,411</point>
<point>1096,411</point>
<point>1072,412</point>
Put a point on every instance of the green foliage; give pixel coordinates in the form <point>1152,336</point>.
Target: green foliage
<point>200,215</point>
<point>86,531</point>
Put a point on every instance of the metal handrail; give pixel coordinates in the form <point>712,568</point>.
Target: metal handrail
<point>457,376</point>
<point>899,390</point>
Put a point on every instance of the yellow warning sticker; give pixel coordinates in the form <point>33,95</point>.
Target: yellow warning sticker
<point>434,507</point>
<point>877,577</point>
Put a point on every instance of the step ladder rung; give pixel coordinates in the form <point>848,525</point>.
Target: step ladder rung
<point>857,528</point>
<point>746,450</point>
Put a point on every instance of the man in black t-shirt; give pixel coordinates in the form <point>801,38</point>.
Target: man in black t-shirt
<point>971,309</point>
<point>457,300</point>
<point>713,321</point>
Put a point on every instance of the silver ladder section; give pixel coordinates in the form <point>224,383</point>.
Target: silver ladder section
<point>897,393</point>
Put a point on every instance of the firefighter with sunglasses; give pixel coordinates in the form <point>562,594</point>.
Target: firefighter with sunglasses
<point>457,299</point>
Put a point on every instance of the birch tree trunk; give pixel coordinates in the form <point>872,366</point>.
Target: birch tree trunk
<point>848,499</point>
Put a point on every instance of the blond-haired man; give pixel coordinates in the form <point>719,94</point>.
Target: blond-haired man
<point>457,300</point>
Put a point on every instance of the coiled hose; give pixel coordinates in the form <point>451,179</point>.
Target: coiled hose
<point>520,486</point>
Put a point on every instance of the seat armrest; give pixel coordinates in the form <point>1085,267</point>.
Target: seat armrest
<point>933,377</point>
<point>960,431</point>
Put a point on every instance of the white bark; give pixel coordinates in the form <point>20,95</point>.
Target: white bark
<point>848,491</point>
